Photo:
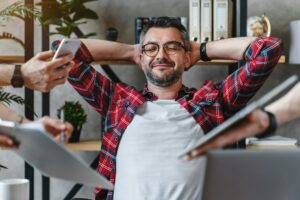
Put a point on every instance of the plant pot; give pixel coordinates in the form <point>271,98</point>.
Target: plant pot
<point>75,137</point>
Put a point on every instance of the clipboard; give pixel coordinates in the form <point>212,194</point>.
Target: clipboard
<point>41,151</point>
<point>243,113</point>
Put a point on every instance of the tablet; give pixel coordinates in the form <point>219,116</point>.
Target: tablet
<point>40,150</point>
<point>243,113</point>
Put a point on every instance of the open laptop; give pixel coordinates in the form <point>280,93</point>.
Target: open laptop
<point>243,113</point>
<point>41,151</point>
<point>252,175</point>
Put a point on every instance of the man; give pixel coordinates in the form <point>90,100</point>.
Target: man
<point>146,130</point>
<point>256,123</point>
<point>38,74</point>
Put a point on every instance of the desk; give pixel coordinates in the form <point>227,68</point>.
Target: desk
<point>85,145</point>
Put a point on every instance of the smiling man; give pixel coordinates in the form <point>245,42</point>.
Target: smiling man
<point>146,130</point>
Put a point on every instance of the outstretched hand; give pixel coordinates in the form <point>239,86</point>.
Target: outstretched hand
<point>256,122</point>
<point>52,126</point>
<point>43,74</point>
<point>56,126</point>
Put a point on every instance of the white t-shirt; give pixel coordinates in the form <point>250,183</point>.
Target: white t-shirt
<point>148,166</point>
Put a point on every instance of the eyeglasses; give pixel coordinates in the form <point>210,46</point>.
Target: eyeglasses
<point>151,49</point>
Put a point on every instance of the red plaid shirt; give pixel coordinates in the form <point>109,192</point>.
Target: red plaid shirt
<point>209,105</point>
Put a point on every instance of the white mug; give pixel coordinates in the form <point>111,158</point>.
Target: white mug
<point>14,189</point>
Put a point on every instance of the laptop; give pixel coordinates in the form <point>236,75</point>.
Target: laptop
<point>252,175</point>
<point>243,113</point>
<point>41,151</point>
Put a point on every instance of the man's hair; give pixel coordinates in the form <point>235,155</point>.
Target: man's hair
<point>167,22</point>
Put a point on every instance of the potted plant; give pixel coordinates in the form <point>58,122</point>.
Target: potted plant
<point>75,114</point>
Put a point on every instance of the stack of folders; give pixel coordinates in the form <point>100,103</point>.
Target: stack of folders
<point>210,20</point>
<point>274,142</point>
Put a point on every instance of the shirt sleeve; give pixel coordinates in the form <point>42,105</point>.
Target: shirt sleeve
<point>260,57</point>
<point>90,84</point>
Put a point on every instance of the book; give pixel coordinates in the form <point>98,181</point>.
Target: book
<point>274,142</point>
<point>206,21</point>
<point>194,20</point>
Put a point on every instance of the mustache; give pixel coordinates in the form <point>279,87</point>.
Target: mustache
<point>162,61</point>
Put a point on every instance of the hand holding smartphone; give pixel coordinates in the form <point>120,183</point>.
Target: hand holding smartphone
<point>67,46</point>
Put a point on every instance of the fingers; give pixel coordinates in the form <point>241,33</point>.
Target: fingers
<point>55,127</point>
<point>7,142</point>
<point>59,62</point>
<point>45,55</point>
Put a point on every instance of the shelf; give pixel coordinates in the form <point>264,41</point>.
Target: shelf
<point>213,62</point>
<point>12,59</point>
<point>85,145</point>
<point>20,59</point>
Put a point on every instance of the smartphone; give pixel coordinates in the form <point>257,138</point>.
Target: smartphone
<point>67,46</point>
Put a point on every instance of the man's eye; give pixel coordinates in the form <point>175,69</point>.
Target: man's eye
<point>151,48</point>
<point>172,47</point>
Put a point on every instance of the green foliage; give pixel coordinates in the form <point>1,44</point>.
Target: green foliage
<point>67,15</point>
<point>8,98</point>
<point>74,113</point>
<point>20,11</point>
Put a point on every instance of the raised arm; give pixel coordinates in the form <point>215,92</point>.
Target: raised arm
<point>107,50</point>
<point>260,56</point>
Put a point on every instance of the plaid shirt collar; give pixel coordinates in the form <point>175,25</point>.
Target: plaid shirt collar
<point>149,96</point>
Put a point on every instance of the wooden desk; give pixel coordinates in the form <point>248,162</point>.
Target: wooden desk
<point>85,145</point>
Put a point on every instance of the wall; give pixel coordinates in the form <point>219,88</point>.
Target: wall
<point>121,14</point>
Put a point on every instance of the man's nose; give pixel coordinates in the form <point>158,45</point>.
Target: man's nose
<point>161,53</point>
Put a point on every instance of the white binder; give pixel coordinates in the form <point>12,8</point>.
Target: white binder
<point>194,19</point>
<point>221,19</point>
<point>206,21</point>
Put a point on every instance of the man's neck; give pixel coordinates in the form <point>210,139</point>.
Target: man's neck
<point>169,92</point>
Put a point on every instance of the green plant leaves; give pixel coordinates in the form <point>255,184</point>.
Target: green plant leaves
<point>67,15</point>
<point>74,113</point>
<point>8,98</point>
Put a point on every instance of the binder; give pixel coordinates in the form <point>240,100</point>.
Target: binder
<point>222,19</point>
<point>194,19</point>
<point>206,21</point>
<point>140,23</point>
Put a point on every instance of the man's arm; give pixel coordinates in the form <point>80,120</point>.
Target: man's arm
<point>285,109</point>
<point>107,50</point>
<point>260,55</point>
<point>39,72</point>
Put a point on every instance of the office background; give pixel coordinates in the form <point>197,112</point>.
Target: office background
<point>121,15</point>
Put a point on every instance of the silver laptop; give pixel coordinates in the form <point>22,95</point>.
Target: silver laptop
<point>243,113</point>
<point>252,175</point>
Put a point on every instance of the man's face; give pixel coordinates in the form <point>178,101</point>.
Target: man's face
<point>163,57</point>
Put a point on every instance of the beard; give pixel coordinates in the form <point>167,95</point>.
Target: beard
<point>165,81</point>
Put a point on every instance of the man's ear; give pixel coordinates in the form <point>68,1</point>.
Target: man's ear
<point>187,61</point>
<point>141,60</point>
